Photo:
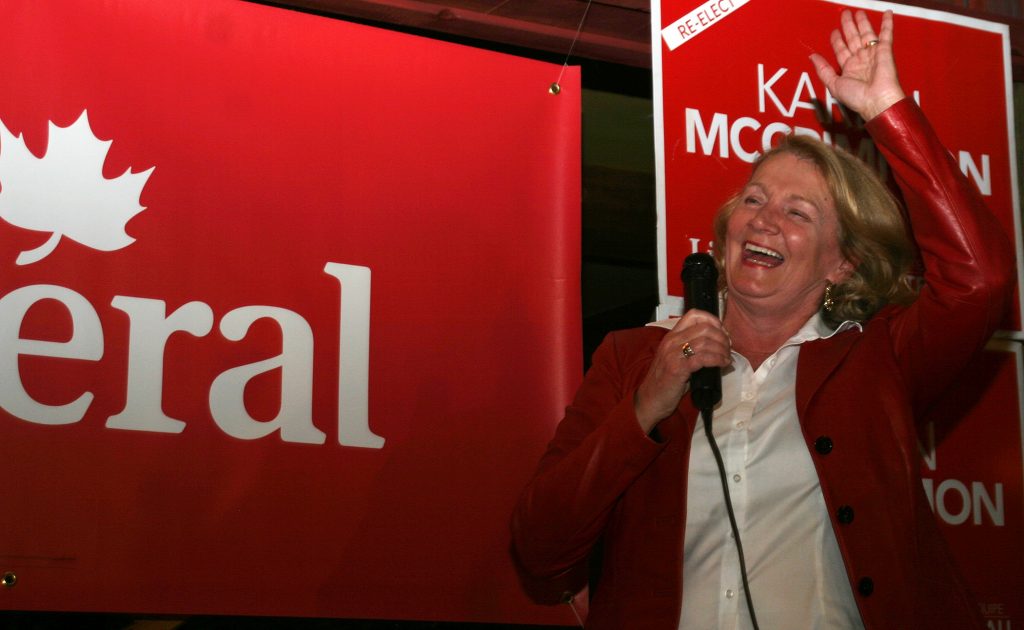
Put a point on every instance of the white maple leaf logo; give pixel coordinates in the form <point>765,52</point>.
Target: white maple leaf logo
<point>64,192</point>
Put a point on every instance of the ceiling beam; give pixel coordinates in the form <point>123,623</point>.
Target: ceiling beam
<point>615,31</point>
<point>602,44</point>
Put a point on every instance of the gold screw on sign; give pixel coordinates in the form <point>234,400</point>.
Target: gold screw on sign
<point>9,579</point>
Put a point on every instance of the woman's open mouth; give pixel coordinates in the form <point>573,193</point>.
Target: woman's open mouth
<point>761,255</point>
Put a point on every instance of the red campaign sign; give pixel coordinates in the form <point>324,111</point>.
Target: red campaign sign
<point>973,479</point>
<point>289,307</point>
<point>717,104</point>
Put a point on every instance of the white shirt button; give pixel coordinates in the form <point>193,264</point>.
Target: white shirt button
<point>730,594</point>
<point>747,395</point>
<point>736,477</point>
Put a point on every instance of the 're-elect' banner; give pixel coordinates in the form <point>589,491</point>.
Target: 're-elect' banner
<point>730,76</point>
<point>288,310</point>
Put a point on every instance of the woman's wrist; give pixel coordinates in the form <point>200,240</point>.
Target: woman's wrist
<point>882,103</point>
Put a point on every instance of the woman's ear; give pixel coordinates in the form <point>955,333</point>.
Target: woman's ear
<point>844,271</point>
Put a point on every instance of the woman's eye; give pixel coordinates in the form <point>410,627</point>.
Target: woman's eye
<point>798,214</point>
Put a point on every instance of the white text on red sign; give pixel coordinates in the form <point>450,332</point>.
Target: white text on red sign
<point>150,327</point>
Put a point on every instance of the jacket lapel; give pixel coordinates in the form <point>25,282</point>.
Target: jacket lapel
<point>818,360</point>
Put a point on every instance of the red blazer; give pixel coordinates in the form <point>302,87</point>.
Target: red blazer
<point>859,394</point>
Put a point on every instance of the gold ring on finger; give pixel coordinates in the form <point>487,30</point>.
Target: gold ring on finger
<point>687,350</point>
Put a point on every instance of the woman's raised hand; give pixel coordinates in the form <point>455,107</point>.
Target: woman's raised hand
<point>697,340</point>
<point>866,82</point>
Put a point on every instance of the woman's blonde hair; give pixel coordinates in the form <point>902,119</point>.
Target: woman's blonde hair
<point>872,231</point>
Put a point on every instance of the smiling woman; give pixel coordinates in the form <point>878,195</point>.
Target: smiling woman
<point>853,206</point>
<point>828,363</point>
<point>781,250</point>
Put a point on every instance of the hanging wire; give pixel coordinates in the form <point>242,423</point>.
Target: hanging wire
<point>556,87</point>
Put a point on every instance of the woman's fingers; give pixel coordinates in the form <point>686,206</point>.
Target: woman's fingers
<point>698,340</point>
<point>865,31</point>
<point>839,47</point>
<point>710,348</point>
<point>851,32</point>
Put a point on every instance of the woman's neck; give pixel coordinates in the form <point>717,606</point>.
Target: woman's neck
<point>758,335</point>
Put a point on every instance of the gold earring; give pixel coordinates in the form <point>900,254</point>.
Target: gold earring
<point>828,304</point>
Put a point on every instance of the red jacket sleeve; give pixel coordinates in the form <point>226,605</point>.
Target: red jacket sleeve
<point>597,452</point>
<point>968,258</point>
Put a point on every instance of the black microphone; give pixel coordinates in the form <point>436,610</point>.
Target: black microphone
<point>700,277</point>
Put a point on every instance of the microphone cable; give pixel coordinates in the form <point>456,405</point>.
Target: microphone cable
<point>706,416</point>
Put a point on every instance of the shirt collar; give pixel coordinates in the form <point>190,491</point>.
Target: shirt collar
<point>813,328</point>
<point>816,328</point>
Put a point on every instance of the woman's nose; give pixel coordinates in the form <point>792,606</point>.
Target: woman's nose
<point>766,219</point>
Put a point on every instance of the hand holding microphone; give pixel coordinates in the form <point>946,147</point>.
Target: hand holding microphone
<point>697,344</point>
